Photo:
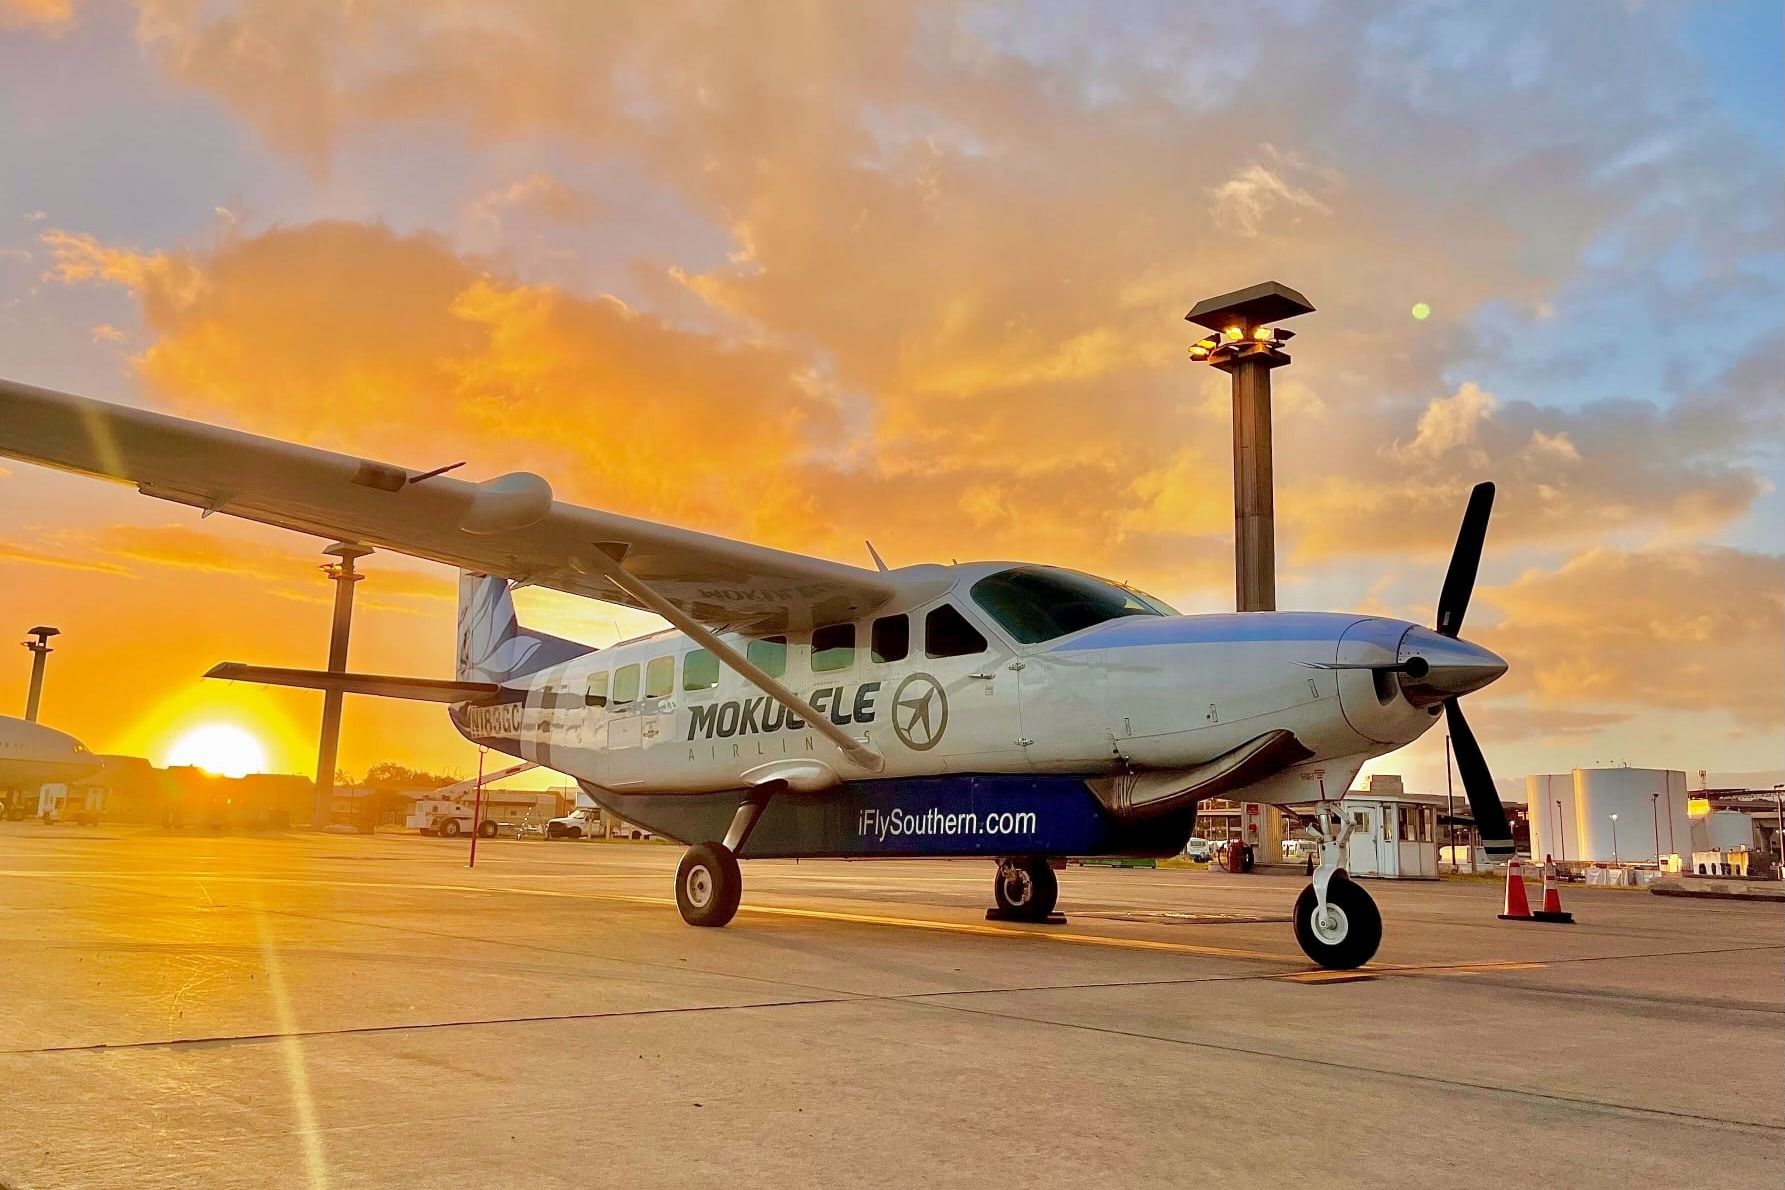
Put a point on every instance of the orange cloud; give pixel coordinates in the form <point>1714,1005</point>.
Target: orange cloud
<point>1679,628</point>
<point>352,336</point>
<point>538,194</point>
<point>45,16</point>
<point>10,552</point>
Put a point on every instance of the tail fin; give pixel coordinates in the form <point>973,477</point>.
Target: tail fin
<point>493,647</point>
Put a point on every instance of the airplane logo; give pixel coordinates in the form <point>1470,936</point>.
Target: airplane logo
<point>920,712</point>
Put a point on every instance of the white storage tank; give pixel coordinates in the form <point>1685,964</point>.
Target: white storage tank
<point>1728,830</point>
<point>1550,834</point>
<point>1650,805</point>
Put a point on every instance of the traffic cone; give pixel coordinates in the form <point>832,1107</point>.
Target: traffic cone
<point>1552,900</point>
<point>1517,907</point>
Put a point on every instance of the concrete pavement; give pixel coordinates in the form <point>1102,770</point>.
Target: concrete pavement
<point>185,1010</point>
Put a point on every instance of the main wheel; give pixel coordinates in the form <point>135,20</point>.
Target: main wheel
<point>708,885</point>
<point>1026,889</point>
<point>450,828</point>
<point>1349,932</point>
<point>486,829</point>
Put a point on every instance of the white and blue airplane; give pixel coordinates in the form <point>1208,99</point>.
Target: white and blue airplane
<point>802,707</point>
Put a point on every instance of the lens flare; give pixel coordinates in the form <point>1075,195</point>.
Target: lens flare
<point>1421,311</point>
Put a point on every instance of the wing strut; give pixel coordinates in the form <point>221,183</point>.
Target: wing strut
<point>859,752</point>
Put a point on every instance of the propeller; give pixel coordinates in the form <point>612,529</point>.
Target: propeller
<point>1453,602</point>
<point>1465,560</point>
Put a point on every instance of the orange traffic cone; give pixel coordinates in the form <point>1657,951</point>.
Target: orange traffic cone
<point>1517,907</point>
<point>1552,900</point>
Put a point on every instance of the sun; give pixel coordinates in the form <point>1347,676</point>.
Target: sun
<point>219,748</point>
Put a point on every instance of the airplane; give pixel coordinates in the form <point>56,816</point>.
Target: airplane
<point>32,755</point>
<point>801,707</point>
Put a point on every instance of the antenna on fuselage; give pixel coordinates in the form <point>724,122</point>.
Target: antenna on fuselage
<point>875,554</point>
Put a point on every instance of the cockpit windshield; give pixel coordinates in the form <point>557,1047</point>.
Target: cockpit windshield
<point>1039,603</point>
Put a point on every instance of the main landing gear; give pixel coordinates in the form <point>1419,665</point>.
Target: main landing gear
<point>708,883</point>
<point>1336,922</point>
<point>1025,889</point>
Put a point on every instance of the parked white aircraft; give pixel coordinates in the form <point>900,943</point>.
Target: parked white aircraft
<point>800,707</point>
<point>32,755</point>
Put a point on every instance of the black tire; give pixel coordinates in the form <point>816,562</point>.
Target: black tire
<point>1351,940</point>
<point>575,832</point>
<point>1026,889</point>
<point>708,885</point>
<point>450,828</point>
<point>486,829</point>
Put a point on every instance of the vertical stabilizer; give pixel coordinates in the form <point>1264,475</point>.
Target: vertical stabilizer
<point>493,647</point>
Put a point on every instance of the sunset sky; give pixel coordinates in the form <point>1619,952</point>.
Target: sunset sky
<point>813,273</point>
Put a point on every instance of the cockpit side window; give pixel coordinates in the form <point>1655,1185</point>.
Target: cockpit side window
<point>1040,603</point>
<point>947,633</point>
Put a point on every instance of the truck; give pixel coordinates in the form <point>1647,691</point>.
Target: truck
<point>453,810</point>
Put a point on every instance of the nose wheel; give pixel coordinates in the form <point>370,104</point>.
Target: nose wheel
<point>1025,889</point>
<point>1342,934</point>
<point>1337,923</point>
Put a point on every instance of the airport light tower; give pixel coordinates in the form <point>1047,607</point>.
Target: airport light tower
<point>40,651</point>
<point>1247,345</point>
<point>328,747</point>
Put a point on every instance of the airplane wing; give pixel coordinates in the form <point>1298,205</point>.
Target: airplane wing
<point>377,685</point>
<point>509,526</point>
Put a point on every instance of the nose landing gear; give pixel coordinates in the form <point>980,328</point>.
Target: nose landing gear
<point>1025,889</point>
<point>1337,924</point>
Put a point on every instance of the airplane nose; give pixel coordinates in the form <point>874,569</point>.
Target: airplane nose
<point>1451,669</point>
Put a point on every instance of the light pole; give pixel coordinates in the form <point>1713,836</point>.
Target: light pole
<point>1247,347</point>
<point>1450,813</point>
<point>328,746</point>
<point>1779,832</point>
<point>1655,812</point>
<point>40,651</point>
<point>1561,830</point>
<point>1614,839</point>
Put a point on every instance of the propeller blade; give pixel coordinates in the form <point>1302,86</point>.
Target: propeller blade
<point>1465,560</point>
<point>1478,784</point>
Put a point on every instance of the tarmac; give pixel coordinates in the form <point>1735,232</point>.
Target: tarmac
<point>193,1010</point>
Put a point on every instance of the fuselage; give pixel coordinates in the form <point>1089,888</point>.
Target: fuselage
<point>32,755</point>
<point>974,678</point>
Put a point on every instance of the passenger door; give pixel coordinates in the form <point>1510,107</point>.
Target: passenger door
<point>623,765</point>
<point>972,681</point>
<point>657,708</point>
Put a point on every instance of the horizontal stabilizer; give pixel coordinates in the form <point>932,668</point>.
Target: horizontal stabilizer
<point>377,685</point>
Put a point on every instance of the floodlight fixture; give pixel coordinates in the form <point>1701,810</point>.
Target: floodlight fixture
<point>1247,343</point>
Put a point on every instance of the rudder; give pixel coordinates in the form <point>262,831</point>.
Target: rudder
<point>493,647</point>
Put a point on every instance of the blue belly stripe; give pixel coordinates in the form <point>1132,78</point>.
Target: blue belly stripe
<point>957,815</point>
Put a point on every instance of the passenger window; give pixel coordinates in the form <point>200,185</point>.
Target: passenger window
<point>626,684</point>
<point>891,638</point>
<point>700,671</point>
<point>947,633</point>
<point>660,677</point>
<point>833,648</point>
<point>769,654</point>
<point>597,695</point>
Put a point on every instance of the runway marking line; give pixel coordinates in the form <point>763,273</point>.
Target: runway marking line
<point>787,911</point>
